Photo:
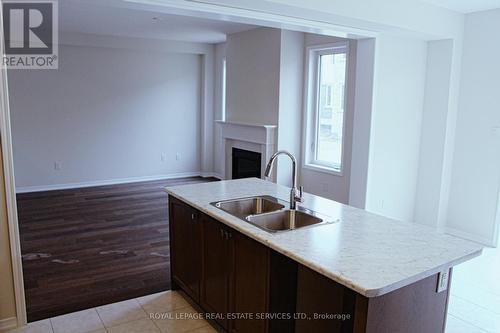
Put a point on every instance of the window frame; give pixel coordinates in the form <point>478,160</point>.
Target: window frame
<point>311,102</point>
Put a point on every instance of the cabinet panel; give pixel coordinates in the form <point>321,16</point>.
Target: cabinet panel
<point>317,294</point>
<point>185,248</point>
<point>250,282</point>
<point>215,268</point>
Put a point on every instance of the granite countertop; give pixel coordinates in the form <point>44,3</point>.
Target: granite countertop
<point>368,253</point>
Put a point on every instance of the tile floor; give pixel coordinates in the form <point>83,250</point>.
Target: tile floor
<point>166,312</point>
<point>474,305</point>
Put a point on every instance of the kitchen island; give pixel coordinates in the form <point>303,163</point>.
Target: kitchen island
<point>355,272</point>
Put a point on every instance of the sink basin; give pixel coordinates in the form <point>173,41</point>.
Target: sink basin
<point>284,220</point>
<point>249,206</point>
<point>269,213</point>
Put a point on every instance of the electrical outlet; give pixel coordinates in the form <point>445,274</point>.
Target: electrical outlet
<point>177,156</point>
<point>443,281</point>
<point>57,166</point>
<point>163,157</point>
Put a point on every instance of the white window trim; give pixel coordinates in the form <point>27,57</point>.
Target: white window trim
<point>223,88</point>
<point>311,100</point>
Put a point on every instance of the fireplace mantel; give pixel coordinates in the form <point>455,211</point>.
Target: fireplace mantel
<point>253,137</point>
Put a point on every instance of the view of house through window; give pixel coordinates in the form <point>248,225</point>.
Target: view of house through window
<point>330,109</point>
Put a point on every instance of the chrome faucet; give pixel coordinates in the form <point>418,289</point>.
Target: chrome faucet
<point>295,193</point>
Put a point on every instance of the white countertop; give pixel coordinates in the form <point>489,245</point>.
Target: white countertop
<point>368,253</point>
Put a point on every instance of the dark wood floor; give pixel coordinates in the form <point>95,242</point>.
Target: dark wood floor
<point>92,246</point>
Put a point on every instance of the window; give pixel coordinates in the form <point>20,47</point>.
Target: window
<point>327,75</point>
<point>223,88</point>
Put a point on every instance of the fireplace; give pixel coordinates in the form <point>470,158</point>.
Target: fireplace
<point>255,139</point>
<point>246,164</point>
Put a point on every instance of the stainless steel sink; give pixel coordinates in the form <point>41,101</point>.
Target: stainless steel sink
<point>269,213</point>
<point>250,206</point>
<point>284,220</point>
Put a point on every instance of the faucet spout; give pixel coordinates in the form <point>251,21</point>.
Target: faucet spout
<point>295,193</point>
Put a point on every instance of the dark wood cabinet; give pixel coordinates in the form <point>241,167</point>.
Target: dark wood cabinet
<point>221,269</point>
<point>250,284</point>
<point>234,278</point>
<point>238,281</point>
<point>216,268</point>
<point>185,247</point>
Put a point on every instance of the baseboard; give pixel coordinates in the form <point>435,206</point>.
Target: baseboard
<point>210,174</point>
<point>8,324</point>
<point>27,189</point>
<point>468,236</point>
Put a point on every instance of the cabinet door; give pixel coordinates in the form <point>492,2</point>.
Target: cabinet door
<point>185,249</point>
<point>250,281</point>
<point>215,269</point>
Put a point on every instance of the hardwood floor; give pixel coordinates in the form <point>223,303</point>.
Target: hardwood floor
<point>92,246</point>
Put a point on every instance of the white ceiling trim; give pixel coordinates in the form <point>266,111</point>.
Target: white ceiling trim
<point>466,6</point>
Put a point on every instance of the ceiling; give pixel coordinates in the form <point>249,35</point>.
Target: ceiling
<point>466,6</point>
<point>86,17</point>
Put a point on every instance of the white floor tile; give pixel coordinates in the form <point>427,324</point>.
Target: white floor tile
<point>479,295</point>
<point>121,312</point>
<point>486,320</point>
<point>137,326</point>
<point>181,320</point>
<point>204,329</point>
<point>77,322</point>
<point>162,302</point>
<point>475,294</point>
<point>455,325</point>
<point>42,326</point>
<point>461,308</point>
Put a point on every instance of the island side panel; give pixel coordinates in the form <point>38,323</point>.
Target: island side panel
<point>328,306</point>
<point>416,308</point>
<point>173,284</point>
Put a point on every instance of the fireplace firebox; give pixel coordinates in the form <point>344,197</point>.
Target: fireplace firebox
<point>246,164</point>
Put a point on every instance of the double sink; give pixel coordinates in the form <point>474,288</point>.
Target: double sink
<point>269,213</point>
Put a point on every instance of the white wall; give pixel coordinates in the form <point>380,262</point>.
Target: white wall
<point>106,114</point>
<point>253,65</point>
<point>473,204</point>
<point>396,126</point>
<point>363,103</point>
<point>431,197</point>
<point>290,102</point>
<point>207,113</point>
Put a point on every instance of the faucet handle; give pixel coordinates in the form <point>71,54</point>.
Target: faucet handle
<point>301,190</point>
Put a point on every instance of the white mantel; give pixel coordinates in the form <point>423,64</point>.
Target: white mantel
<point>260,138</point>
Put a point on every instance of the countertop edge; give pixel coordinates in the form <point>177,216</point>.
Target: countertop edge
<point>415,278</point>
